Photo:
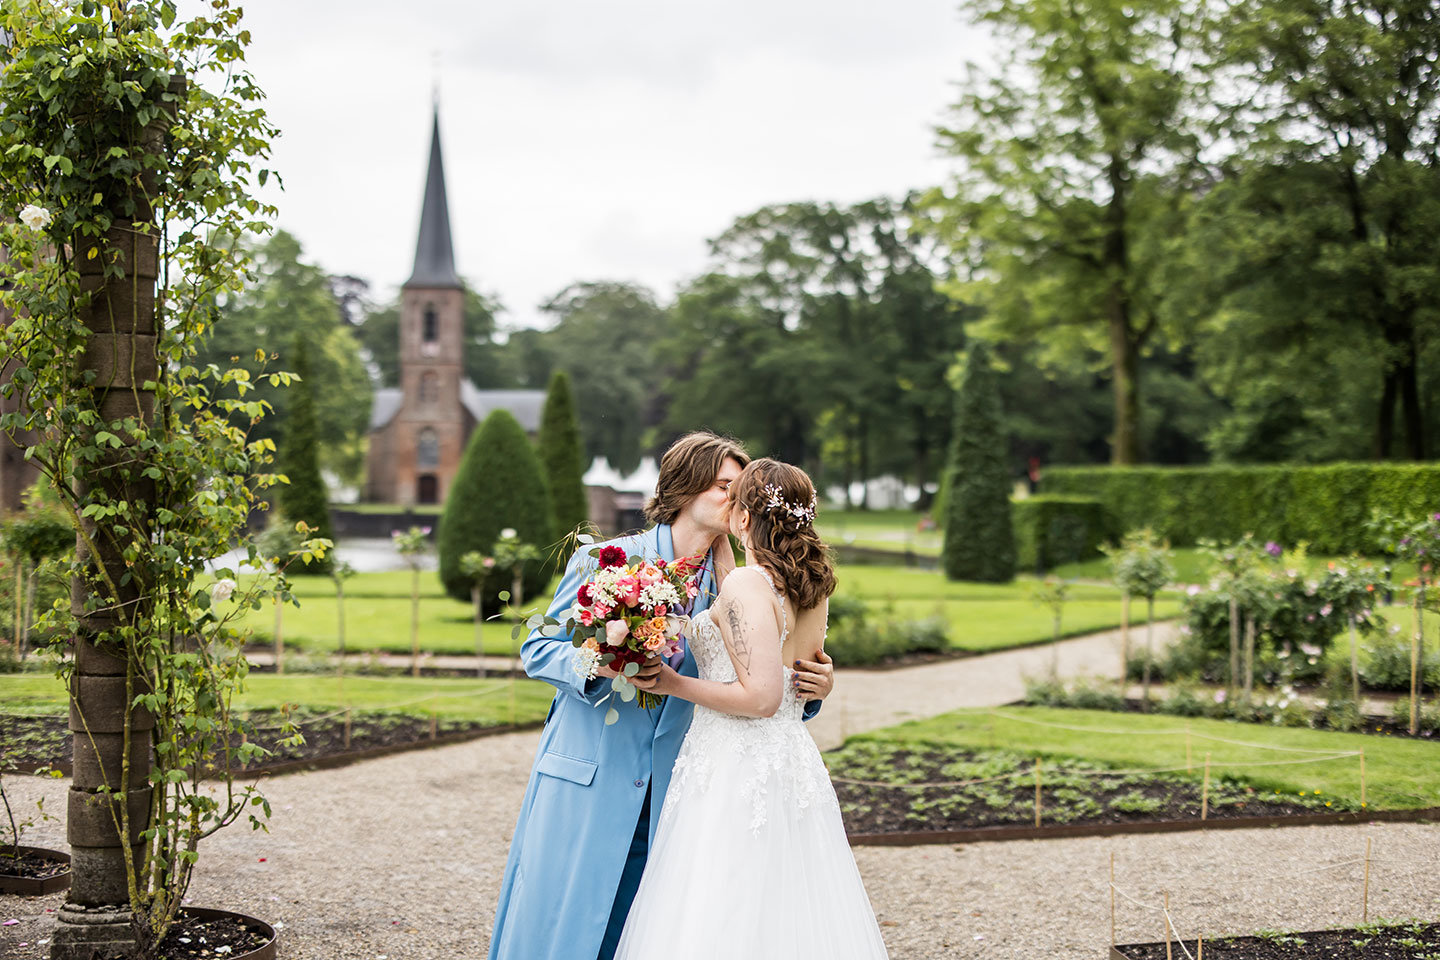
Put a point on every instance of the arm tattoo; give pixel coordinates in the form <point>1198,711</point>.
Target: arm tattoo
<point>738,642</point>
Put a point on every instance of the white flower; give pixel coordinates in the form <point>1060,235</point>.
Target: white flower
<point>221,590</point>
<point>35,217</point>
<point>508,533</point>
<point>586,662</point>
<point>1193,590</point>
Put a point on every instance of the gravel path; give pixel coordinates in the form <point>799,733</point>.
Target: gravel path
<point>400,857</point>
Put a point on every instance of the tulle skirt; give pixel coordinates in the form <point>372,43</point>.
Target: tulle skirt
<point>750,859</point>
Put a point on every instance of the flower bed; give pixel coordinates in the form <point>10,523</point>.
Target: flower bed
<point>881,790</point>
<point>45,741</point>
<point>1371,941</point>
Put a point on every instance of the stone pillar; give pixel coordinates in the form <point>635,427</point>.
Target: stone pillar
<point>95,920</point>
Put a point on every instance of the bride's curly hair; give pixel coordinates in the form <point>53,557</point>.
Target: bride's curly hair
<point>781,500</point>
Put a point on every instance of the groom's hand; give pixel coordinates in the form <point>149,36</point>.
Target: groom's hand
<point>815,679</point>
<point>645,679</point>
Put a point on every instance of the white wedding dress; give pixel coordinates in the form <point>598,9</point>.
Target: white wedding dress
<point>750,860</point>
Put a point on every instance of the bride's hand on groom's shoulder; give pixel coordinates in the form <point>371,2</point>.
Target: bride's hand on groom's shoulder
<point>815,679</point>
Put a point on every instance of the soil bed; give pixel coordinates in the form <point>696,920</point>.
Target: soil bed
<point>31,865</point>
<point>1071,793</point>
<point>34,742</point>
<point>197,938</point>
<point>1368,942</point>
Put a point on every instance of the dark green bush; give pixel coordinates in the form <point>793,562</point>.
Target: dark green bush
<point>304,497</point>
<point>1325,506</point>
<point>499,485</point>
<point>860,636</point>
<point>1051,529</point>
<point>563,457</point>
<point>1385,663</point>
<point>979,541</point>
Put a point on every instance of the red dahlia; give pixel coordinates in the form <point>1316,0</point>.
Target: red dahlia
<point>612,557</point>
<point>583,594</point>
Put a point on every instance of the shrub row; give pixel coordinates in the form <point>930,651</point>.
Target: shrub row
<point>859,636</point>
<point>1052,529</point>
<point>1326,506</point>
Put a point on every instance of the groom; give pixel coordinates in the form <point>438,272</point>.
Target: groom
<point>595,792</point>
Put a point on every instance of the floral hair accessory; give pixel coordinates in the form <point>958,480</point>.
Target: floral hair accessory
<point>775,500</point>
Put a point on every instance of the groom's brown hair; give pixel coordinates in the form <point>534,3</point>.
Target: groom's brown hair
<point>688,469</point>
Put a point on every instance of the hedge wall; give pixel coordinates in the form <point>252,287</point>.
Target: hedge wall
<point>1326,506</point>
<point>1052,529</point>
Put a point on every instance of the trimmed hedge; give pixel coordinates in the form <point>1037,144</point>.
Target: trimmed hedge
<point>979,542</point>
<point>500,484</point>
<point>1326,506</point>
<point>1052,529</point>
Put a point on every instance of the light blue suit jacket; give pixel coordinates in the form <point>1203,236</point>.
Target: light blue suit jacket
<point>587,786</point>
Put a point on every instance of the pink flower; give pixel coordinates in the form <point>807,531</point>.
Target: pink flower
<point>692,590</point>
<point>660,610</point>
<point>1326,610</point>
<point>616,631</point>
<point>1193,590</point>
<point>654,644</point>
<point>587,618</point>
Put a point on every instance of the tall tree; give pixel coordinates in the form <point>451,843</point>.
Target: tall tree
<point>979,539</point>
<point>304,497</point>
<point>614,320</point>
<point>1076,157</point>
<point>289,301</point>
<point>1342,152</point>
<point>563,456</point>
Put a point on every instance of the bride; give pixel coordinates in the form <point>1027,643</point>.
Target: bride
<point>750,857</point>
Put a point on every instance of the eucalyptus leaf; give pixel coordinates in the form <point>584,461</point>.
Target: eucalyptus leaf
<point>631,669</point>
<point>611,716</point>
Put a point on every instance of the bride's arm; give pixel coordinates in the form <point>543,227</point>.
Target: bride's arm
<point>745,615</point>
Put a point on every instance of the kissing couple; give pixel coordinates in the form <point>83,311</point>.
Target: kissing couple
<point>705,827</point>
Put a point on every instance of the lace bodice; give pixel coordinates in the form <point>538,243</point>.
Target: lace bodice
<point>777,751</point>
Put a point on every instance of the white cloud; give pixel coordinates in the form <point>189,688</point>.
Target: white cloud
<point>587,140</point>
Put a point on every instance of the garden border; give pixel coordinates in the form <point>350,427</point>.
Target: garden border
<point>1116,948</point>
<point>917,838</point>
<point>334,760</point>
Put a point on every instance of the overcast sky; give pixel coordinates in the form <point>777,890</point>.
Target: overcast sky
<point>587,140</point>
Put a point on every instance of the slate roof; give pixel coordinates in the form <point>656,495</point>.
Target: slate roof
<point>526,405</point>
<point>434,251</point>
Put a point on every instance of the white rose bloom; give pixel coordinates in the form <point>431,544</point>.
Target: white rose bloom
<point>35,217</point>
<point>221,590</point>
<point>508,533</point>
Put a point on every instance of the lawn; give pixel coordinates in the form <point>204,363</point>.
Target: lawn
<point>980,616</point>
<point>898,530</point>
<point>484,701</point>
<point>1400,773</point>
<point>880,529</point>
<point>984,616</point>
<point>377,617</point>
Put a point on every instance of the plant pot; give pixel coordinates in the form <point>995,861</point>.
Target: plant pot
<point>33,886</point>
<point>265,952</point>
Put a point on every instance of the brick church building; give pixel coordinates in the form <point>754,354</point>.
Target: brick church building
<point>418,430</point>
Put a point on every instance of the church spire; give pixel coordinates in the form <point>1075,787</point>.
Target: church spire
<point>434,253</point>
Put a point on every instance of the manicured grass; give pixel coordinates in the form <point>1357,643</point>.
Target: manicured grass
<point>1193,566</point>
<point>377,617</point>
<point>985,616</point>
<point>487,701</point>
<point>1400,773</point>
<point>419,509</point>
<point>980,616</point>
<point>881,529</point>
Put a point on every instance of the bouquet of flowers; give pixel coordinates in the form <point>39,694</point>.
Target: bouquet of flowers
<point>630,612</point>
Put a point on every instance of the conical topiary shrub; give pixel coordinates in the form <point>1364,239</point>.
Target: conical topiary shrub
<point>304,497</point>
<point>979,538</point>
<point>563,457</point>
<point>499,486</point>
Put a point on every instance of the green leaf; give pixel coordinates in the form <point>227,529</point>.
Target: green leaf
<point>611,716</point>
<point>631,669</point>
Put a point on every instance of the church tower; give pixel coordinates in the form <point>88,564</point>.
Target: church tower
<point>419,429</point>
<point>416,461</point>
